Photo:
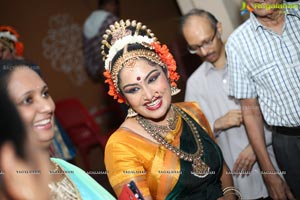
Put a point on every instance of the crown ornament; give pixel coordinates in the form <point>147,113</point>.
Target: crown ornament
<point>117,38</point>
<point>121,35</point>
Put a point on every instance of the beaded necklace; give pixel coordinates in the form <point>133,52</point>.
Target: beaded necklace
<point>200,168</point>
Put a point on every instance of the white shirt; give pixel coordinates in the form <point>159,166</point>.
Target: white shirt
<point>209,87</point>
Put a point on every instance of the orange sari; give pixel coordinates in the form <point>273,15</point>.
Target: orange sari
<point>156,170</point>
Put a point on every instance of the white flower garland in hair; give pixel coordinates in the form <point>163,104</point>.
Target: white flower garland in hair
<point>121,43</point>
<point>8,35</point>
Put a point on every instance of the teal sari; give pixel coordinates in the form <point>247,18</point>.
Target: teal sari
<point>88,188</point>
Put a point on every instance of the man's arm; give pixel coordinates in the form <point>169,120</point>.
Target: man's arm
<point>253,121</point>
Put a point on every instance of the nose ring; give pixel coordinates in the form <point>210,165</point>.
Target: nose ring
<point>156,94</point>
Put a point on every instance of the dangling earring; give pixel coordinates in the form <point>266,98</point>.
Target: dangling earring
<point>174,91</point>
<point>131,112</point>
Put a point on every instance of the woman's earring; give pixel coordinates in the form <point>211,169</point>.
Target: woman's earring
<point>174,91</point>
<point>131,112</point>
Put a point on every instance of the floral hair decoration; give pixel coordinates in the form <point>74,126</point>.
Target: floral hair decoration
<point>9,37</point>
<point>121,36</point>
<point>168,59</point>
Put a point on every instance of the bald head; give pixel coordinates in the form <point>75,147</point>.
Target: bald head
<point>201,14</point>
<point>198,29</point>
<point>202,32</point>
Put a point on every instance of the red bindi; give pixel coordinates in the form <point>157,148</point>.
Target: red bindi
<point>138,78</point>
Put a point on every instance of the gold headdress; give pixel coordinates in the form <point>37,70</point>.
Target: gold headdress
<point>117,38</point>
<point>9,37</point>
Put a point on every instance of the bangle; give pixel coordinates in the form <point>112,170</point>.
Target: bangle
<point>232,190</point>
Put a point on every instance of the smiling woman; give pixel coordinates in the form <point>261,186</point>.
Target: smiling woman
<point>30,95</point>
<point>168,148</point>
<point>20,162</point>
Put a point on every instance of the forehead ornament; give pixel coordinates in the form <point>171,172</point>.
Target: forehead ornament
<point>114,50</point>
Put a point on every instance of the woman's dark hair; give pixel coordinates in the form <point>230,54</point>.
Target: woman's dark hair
<point>12,129</point>
<point>8,66</point>
<point>11,125</point>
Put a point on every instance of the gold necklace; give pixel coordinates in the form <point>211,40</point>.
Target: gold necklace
<point>200,168</point>
<point>55,169</point>
<point>165,128</point>
<point>65,188</point>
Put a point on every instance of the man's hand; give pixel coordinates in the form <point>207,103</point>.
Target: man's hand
<point>245,161</point>
<point>230,119</point>
<point>277,187</point>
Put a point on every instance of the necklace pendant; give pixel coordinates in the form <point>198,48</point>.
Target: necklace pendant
<point>172,124</point>
<point>200,169</point>
<point>172,121</point>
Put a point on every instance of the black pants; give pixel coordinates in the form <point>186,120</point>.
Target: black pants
<point>287,152</point>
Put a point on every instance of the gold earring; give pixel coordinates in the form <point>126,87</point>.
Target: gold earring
<point>174,91</point>
<point>131,112</point>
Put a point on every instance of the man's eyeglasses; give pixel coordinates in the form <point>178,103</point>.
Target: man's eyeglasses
<point>195,48</point>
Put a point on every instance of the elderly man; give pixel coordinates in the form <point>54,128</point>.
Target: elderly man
<point>208,86</point>
<point>263,56</point>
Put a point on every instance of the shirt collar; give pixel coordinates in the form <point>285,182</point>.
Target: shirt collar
<point>254,22</point>
<point>209,67</point>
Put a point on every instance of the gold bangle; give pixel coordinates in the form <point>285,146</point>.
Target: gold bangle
<point>232,190</point>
